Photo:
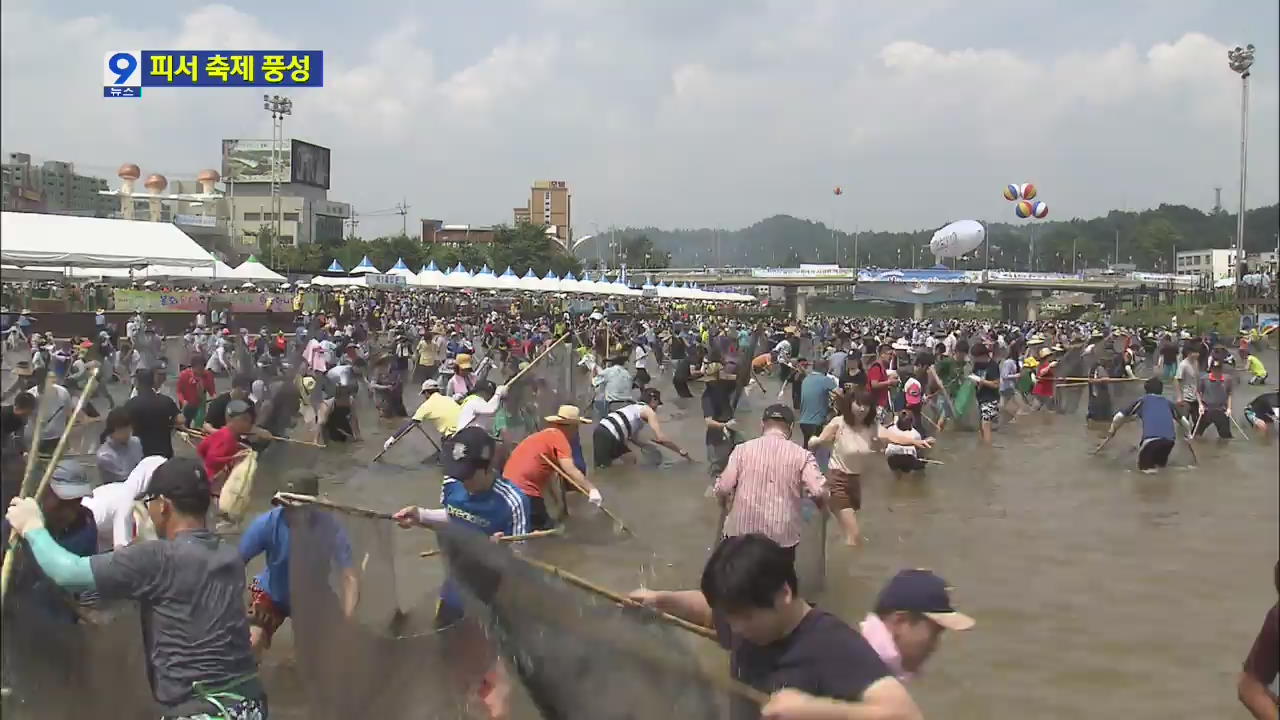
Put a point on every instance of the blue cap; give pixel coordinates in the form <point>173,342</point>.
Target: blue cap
<point>922,592</point>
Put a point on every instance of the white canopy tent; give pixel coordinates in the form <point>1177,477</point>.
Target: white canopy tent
<point>401,269</point>
<point>508,280</point>
<point>550,283</point>
<point>429,276</point>
<point>530,282</point>
<point>457,278</point>
<point>254,271</point>
<point>483,280</point>
<point>67,240</point>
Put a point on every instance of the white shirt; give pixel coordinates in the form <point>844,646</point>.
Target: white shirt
<point>641,357</point>
<point>112,505</point>
<point>480,413</point>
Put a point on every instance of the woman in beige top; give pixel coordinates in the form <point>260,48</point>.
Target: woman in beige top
<point>851,434</point>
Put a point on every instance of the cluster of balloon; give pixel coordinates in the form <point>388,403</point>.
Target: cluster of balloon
<point>1024,198</point>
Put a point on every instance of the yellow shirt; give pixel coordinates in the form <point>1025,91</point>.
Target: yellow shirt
<point>442,411</point>
<point>1255,366</point>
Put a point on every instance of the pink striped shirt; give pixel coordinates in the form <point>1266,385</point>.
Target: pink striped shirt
<point>767,480</point>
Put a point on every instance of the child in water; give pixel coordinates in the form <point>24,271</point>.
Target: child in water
<point>902,442</point>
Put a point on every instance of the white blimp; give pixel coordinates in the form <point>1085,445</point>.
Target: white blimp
<point>957,238</point>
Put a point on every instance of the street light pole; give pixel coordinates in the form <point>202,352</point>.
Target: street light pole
<point>279,107</point>
<point>1240,59</point>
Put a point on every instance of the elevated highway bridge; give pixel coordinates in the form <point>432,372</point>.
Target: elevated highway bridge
<point>1020,292</point>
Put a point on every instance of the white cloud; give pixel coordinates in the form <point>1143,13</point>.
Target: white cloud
<point>673,114</point>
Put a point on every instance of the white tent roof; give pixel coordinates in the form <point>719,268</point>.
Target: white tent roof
<point>530,281</point>
<point>458,277</point>
<point>508,280</point>
<point>251,269</point>
<point>41,239</point>
<point>550,283</point>
<point>429,276</point>
<point>339,281</point>
<point>484,280</point>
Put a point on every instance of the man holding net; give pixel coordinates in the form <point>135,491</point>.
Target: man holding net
<point>813,663</point>
<point>190,586</point>
<point>473,498</point>
<point>529,467</point>
<point>270,534</point>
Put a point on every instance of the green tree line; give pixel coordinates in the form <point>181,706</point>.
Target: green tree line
<point>1147,238</point>
<point>522,247</point>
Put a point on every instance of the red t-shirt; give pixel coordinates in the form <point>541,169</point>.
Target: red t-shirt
<point>218,451</point>
<point>527,470</point>
<point>190,384</point>
<point>876,373</point>
<point>1044,382</point>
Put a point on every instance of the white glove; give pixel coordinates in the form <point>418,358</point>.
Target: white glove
<point>24,515</point>
<point>387,445</point>
<point>500,391</point>
<point>593,496</point>
<point>731,425</point>
<point>975,378</point>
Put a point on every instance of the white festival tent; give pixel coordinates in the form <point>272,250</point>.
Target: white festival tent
<point>458,278</point>
<point>365,266</point>
<point>401,269</point>
<point>254,271</point>
<point>430,276</point>
<point>40,239</point>
<point>339,281</point>
<point>508,280</point>
<point>602,286</point>
<point>484,280</point>
<point>530,282</point>
<point>550,283</point>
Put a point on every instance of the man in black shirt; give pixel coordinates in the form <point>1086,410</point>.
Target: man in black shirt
<point>13,419</point>
<point>215,415</point>
<point>717,413</point>
<point>154,415</point>
<point>986,374</point>
<point>809,660</point>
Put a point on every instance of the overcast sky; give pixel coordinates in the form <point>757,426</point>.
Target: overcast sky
<point>686,114</point>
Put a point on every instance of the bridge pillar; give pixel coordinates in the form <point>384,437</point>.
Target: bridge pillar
<point>1020,305</point>
<point>798,301</point>
<point>917,312</point>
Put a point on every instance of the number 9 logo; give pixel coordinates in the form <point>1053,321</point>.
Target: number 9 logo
<point>120,68</point>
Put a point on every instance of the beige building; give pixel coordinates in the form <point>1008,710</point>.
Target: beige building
<point>550,205</point>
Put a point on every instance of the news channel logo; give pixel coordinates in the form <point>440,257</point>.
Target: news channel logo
<point>126,72</point>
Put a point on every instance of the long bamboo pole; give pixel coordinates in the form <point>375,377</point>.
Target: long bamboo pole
<point>6,572</point>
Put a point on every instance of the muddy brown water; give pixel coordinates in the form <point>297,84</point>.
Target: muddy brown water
<point>1099,591</point>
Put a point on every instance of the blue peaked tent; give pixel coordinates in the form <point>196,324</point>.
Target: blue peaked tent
<point>365,266</point>
<point>335,267</point>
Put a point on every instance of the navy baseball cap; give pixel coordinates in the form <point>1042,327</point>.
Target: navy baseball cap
<point>469,449</point>
<point>922,592</point>
<point>178,478</point>
<point>779,412</point>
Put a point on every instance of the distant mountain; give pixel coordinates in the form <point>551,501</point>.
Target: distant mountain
<point>1147,238</point>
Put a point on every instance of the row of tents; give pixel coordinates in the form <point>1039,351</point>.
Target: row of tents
<point>459,278</point>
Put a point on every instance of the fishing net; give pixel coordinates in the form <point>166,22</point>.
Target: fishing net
<point>56,652</point>
<point>811,554</point>
<point>1068,399</point>
<point>964,408</point>
<point>568,653</point>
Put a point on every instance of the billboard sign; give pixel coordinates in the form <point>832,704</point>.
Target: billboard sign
<point>383,281</point>
<point>310,164</point>
<point>250,161</point>
<point>207,221</point>
<point>914,276</point>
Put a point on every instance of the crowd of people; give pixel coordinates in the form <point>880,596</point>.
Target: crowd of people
<point>856,389</point>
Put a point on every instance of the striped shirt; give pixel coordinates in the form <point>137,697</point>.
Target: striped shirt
<point>768,478</point>
<point>623,422</point>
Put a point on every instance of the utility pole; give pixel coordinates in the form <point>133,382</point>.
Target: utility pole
<point>1117,260</point>
<point>403,210</point>
<point>354,222</point>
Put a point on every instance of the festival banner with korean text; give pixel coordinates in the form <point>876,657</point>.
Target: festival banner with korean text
<point>255,302</point>
<point>158,302</point>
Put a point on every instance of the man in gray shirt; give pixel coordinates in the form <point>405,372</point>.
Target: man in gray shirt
<point>1215,389</point>
<point>617,383</point>
<point>190,586</point>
